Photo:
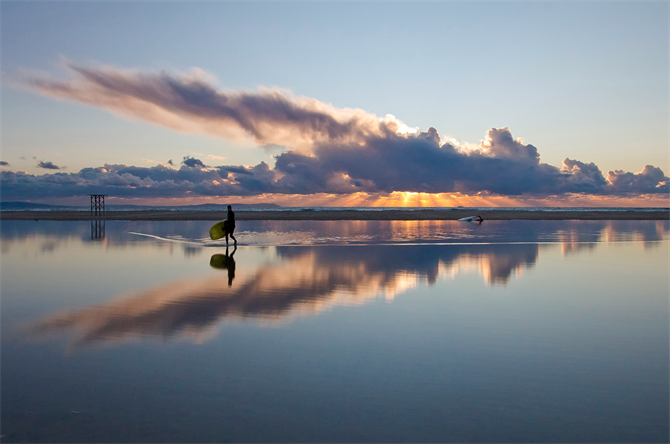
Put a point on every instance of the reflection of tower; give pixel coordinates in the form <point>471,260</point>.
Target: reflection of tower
<point>97,229</point>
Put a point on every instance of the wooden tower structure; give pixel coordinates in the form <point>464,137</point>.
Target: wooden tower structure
<point>97,204</point>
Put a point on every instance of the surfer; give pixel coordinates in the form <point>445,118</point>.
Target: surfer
<point>479,219</point>
<point>230,225</point>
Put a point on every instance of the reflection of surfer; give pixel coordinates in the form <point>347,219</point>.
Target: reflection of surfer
<point>230,225</point>
<point>225,261</point>
<point>229,263</point>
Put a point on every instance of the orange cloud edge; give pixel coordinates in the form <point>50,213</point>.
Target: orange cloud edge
<point>398,200</point>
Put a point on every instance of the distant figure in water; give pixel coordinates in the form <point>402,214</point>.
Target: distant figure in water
<point>478,218</point>
<point>230,225</point>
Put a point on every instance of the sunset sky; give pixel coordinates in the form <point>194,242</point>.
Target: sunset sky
<point>336,104</point>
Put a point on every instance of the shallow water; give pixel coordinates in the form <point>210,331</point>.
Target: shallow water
<point>373,331</point>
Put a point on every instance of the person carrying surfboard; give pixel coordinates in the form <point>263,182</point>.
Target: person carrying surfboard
<point>230,225</point>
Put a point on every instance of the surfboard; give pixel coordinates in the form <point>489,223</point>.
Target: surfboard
<point>218,230</point>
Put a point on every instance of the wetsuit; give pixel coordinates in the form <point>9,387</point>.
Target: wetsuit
<point>230,222</point>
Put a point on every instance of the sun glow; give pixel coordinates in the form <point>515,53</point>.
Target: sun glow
<point>397,199</point>
<point>429,200</point>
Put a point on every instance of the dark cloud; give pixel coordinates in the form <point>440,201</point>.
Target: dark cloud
<point>170,162</point>
<point>583,177</point>
<point>191,102</point>
<point>3,163</point>
<point>192,162</point>
<point>418,162</point>
<point>649,180</point>
<point>331,150</point>
<point>48,166</point>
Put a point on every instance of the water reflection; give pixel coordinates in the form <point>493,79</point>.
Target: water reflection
<point>294,281</point>
<point>97,229</point>
<point>303,281</point>
<point>452,359</point>
<point>193,234</point>
<point>225,262</point>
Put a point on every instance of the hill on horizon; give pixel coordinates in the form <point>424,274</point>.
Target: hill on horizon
<point>39,206</point>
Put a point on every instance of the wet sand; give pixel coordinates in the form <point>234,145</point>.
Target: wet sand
<point>363,214</point>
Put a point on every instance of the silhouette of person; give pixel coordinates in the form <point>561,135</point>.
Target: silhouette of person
<point>479,219</point>
<point>225,261</point>
<point>230,225</point>
<point>229,263</point>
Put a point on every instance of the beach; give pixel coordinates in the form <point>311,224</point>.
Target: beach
<point>345,214</point>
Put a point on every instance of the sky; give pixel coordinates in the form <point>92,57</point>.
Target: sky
<point>336,104</point>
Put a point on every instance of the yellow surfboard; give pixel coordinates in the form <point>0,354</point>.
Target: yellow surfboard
<point>218,230</point>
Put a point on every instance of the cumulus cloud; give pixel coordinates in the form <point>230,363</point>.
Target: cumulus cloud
<point>324,149</point>
<point>420,163</point>
<point>416,163</point>
<point>134,181</point>
<point>649,180</point>
<point>48,166</point>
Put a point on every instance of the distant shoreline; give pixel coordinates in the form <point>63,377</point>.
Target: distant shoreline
<point>359,214</point>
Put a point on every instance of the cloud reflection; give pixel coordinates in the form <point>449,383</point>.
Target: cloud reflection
<point>306,280</point>
<point>303,282</point>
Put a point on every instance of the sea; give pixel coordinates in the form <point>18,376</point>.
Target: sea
<point>519,331</point>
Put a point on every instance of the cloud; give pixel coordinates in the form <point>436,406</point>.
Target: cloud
<point>323,149</point>
<point>420,163</point>
<point>127,181</point>
<point>273,148</point>
<point>192,162</point>
<point>3,163</point>
<point>192,103</point>
<point>501,165</point>
<point>48,166</point>
<point>649,180</point>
